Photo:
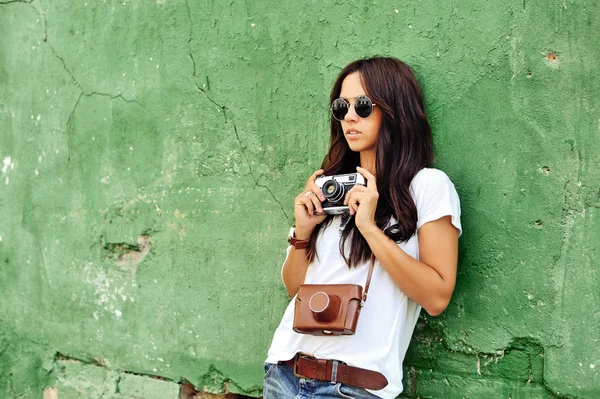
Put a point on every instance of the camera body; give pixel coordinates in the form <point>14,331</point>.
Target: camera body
<point>334,188</point>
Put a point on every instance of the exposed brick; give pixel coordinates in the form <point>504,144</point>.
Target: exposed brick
<point>136,386</point>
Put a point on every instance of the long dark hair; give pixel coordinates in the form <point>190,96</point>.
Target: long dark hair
<point>404,147</point>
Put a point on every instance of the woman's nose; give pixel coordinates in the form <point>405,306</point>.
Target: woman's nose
<point>351,115</point>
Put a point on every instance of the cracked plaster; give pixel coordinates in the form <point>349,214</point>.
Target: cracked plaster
<point>244,51</point>
<point>224,109</point>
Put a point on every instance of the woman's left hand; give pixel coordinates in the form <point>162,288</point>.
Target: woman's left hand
<point>362,201</point>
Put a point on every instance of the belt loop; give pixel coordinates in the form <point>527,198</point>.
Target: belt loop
<point>334,370</point>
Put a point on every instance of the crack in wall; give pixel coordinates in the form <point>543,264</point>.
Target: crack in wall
<point>117,387</point>
<point>250,167</point>
<point>557,395</point>
<point>68,127</point>
<point>194,62</point>
<point>72,114</point>
<point>112,97</point>
<point>42,14</point>
<point>15,334</point>
<point>15,1</point>
<point>225,110</point>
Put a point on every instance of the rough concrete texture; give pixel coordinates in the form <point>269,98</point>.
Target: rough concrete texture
<point>76,380</point>
<point>151,151</point>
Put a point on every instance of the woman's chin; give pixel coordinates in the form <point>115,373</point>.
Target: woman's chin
<point>355,146</point>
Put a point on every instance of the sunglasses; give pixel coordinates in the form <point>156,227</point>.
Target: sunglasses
<point>363,106</point>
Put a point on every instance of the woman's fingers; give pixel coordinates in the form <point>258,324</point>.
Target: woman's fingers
<point>371,183</point>
<point>317,173</point>
<point>304,203</point>
<point>317,191</point>
<point>361,195</point>
<point>356,188</point>
<point>313,177</point>
<point>311,201</point>
<point>353,203</point>
<point>315,201</point>
<point>311,186</point>
<point>310,208</point>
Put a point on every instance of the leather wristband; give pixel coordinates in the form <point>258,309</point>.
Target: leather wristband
<point>295,242</point>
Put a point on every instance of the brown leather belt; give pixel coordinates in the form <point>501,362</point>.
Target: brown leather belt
<point>336,371</point>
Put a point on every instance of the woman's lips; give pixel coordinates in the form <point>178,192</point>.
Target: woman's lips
<point>352,134</point>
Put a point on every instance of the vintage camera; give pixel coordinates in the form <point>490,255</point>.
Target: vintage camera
<point>334,188</point>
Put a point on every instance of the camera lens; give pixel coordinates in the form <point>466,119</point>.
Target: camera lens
<point>333,191</point>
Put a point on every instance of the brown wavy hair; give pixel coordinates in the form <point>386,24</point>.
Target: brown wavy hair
<point>404,147</point>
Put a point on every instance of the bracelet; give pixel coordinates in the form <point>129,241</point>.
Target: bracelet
<point>295,242</point>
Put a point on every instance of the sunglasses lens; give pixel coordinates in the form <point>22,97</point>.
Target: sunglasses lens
<point>363,106</point>
<point>339,109</point>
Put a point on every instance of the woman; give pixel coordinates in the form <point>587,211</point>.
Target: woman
<point>407,216</point>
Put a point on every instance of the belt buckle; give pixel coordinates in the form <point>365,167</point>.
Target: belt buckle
<point>296,356</point>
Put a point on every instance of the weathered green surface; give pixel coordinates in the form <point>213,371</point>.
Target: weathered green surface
<point>151,151</point>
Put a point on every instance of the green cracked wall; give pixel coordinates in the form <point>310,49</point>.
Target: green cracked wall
<point>151,150</point>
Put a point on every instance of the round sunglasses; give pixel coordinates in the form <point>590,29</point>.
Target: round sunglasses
<point>363,106</point>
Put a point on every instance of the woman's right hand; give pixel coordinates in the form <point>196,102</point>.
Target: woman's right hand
<point>307,208</point>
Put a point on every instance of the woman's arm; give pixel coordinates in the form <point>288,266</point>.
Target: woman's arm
<point>430,281</point>
<point>295,266</point>
<point>307,213</point>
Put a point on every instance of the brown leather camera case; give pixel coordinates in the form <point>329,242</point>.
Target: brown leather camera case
<point>345,315</point>
<point>330,309</point>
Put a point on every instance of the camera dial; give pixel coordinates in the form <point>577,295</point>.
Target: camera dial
<point>324,307</point>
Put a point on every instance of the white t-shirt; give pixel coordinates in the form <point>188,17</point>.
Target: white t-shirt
<point>387,321</point>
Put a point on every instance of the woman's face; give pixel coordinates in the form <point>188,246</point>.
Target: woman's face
<point>360,133</point>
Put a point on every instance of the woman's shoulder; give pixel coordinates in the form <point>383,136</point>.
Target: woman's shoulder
<point>435,196</point>
<point>428,178</point>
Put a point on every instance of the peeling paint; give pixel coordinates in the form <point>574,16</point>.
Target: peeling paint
<point>6,163</point>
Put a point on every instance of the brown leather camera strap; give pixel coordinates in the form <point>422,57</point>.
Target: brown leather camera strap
<point>368,283</point>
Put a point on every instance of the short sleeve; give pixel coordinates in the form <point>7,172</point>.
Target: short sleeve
<point>435,197</point>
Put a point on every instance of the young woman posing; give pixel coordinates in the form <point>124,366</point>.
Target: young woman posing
<point>407,216</point>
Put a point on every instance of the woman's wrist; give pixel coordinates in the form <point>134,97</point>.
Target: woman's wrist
<point>302,234</point>
<point>369,230</point>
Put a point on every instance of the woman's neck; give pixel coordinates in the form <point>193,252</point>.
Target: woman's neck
<point>367,161</point>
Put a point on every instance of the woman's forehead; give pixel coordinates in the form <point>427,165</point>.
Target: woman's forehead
<point>352,87</point>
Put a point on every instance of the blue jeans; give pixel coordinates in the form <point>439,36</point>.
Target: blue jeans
<point>281,383</point>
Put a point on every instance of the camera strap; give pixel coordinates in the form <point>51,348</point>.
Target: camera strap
<point>371,266</point>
